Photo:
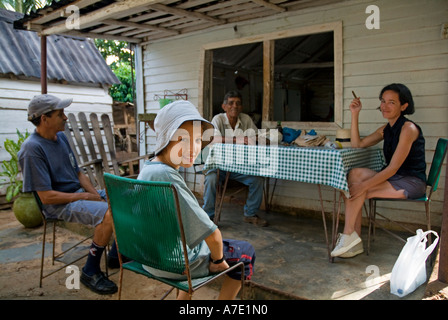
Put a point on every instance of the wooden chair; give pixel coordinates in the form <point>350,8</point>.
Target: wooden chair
<point>148,229</point>
<point>94,146</point>
<point>431,183</point>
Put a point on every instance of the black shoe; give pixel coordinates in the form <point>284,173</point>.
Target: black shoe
<point>99,283</point>
<point>114,262</point>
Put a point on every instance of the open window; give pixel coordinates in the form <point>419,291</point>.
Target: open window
<point>293,76</point>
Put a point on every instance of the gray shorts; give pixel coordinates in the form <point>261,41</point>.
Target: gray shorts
<point>414,188</point>
<point>90,213</point>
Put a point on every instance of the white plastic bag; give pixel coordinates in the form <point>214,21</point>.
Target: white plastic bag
<point>409,271</point>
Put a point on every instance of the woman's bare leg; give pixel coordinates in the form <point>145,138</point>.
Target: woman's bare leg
<point>353,207</point>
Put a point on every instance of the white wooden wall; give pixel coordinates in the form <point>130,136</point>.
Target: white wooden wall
<point>408,48</point>
<point>16,94</point>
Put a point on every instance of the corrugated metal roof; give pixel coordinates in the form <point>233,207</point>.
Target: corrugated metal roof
<point>76,60</point>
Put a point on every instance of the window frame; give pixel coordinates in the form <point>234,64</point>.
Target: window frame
<point>268,40</point>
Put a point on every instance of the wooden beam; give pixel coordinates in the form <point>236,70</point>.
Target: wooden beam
<point>95,35</point>
<point>205,96</point>
<point>95,17</point>
<point>143,26</point>
<point>307,65</point>
<point>186,13</point>
<point>269,5</point>
<point>49,14</point>
<point>268,80</point>
<point>34,27</point>
<point>443,249</point>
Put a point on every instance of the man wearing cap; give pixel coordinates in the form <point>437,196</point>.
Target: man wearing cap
<point>50,169</point>
<point>235,127</point>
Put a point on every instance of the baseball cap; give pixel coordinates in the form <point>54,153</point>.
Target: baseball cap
<point>171,117</point>
<point>44,103</point>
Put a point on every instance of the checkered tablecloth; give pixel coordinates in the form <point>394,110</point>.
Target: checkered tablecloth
<point>317,165</point>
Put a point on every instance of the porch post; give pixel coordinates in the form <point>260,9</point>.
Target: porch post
<point>268,80</point>
<point>43,64</point>
<point>443,250</point>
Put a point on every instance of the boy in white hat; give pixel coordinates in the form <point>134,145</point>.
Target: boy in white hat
<point>181,133</point>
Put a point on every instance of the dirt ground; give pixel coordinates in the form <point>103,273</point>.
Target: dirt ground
<point>20,252</point>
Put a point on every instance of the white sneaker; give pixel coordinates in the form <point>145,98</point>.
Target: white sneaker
<point>358,249</point>
<point>344,243</point>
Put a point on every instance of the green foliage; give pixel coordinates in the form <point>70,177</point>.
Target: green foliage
<point>119,49</point>
<point>122,92</point>
<point>11,167</point>
<point>121,67</point>
<point>23,6</point>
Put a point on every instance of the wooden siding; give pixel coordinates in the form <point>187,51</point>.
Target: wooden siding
<point>408,48</point>
<point>16,94</point>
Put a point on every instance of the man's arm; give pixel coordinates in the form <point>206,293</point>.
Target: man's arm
<point>57,197</point>
<point>85,183</point>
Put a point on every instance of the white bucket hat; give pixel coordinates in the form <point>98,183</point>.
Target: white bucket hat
<point>171,117</point>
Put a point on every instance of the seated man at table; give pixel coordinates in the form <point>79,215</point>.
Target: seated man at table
<point>235,127</point>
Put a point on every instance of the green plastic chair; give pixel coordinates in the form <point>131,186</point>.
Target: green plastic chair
<point>149,231</point>
<point>431,183</point>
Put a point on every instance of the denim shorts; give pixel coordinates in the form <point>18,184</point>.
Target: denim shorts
<point>236,251</point>
<point>413,187</point>
<point>89,213</point>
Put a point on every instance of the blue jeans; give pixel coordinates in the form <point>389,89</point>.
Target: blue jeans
<point>254,198</point>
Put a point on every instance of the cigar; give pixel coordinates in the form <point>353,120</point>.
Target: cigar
<point>353,92</point>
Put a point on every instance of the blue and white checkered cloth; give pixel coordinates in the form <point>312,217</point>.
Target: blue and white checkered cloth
<point>317,165</point>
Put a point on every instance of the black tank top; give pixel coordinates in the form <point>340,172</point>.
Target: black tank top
<point>415,164</point>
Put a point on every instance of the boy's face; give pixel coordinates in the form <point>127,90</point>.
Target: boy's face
<point>185,146</point>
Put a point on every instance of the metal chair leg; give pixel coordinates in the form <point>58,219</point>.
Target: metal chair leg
<point>43,255</point>
<point>428,220</point>
<point>371,219</point>
<point>54,242</point>
<point>222,192</point>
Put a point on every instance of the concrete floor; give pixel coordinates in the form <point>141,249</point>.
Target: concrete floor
<point>291,263</point>
<point>292,258</point>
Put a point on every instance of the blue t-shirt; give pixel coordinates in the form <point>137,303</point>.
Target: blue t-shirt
<point>48,165</point>
<point>197,224</point>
